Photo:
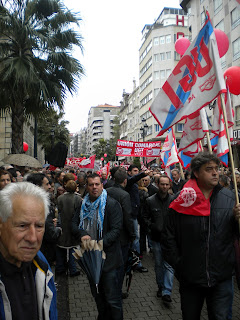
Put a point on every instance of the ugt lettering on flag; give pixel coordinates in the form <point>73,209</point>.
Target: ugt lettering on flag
<point>196,80</point>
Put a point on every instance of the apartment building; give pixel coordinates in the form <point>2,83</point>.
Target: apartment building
<point>78,143</point>
<point>157,59</point>
<point>100,124</point>
<point>129,115</point>
<point>225,15</point>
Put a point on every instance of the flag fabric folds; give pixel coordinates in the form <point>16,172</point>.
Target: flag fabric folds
<point>195,81</point>
<point>194,130</point>
<point>88,163</point>
<point>219,135</point>
<point>185,156</point>
<point>169,154</point>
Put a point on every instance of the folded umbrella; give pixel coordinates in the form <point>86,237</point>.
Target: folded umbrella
<point>132,262</point>
<point>91,257</point>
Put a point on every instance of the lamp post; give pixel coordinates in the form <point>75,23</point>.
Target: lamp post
<point>143,129</point>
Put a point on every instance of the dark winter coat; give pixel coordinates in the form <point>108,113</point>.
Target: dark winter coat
<point>118,193</point>
<point>132,189</point>
<point>67,205</point>
<point>112,225</point>
<point>155,213</point>
<point>199,248</point>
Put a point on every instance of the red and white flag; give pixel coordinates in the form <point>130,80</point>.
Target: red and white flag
<point>194,83</point>
<point>106,169</point>
<point>194,130</point>
<point>169,154</point>
<point>88,163</point>
<point>185,156</point>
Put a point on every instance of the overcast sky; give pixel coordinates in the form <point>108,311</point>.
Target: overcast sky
<point>112,38</point>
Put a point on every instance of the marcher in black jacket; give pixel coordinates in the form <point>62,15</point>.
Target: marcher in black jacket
<point>108,299</point>
<point>155,214</point>
<point>198,241</point>
<point>127,234</point>
<point>132,188</point>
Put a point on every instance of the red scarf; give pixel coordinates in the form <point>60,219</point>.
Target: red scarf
<point>191,200</point>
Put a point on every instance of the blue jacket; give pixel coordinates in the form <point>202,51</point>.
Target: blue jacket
<point>46,292</point>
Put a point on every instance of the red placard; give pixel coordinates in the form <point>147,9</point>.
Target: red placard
<point>138,149</point>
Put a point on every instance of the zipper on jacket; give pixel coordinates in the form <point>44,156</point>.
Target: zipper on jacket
<point>207,253</point>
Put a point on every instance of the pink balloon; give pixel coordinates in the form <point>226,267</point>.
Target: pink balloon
<point>232,77</point>
<point>105,155</point>
<point>222,42</point>
<point>102,159</point>
<point>25,147</point>
<point>181,45</point>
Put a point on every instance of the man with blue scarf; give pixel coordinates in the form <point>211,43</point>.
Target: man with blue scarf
<point>100,217</point>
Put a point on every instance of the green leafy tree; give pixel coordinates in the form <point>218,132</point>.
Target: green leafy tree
<point>105,146</point>
<point>51,130</point>
<point>136,162</point>
<point>37,68</point>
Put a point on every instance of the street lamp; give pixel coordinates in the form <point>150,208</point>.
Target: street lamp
<point>144,130</point>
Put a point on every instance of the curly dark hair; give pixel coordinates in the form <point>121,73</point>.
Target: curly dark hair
<point>201,159</point>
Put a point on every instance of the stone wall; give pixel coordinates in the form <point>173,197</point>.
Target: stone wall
<point>28,137</point>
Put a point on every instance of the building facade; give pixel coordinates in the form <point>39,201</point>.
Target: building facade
<point>100,124</point>
<point>157,59</point>
<point>28,137</point>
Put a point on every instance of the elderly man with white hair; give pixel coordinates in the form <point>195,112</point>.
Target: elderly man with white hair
<point>27,288</point>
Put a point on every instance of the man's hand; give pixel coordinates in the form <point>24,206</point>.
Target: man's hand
<point>236,211</point>
<point>84,238</point>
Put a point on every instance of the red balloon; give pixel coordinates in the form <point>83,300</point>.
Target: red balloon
<point>102,159</point>
<point>232,77</point>
<point>84,158</point>
<point>105,155</point>
<point>181,45</point>
<point>222,42</point>
<point>25,147</point>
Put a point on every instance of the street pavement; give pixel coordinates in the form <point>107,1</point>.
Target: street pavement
<point>75,300</point>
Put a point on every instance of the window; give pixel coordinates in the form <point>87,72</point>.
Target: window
<point>156,57</point>
<point>162,74</point>
<point>156,92</point>
<point>162,40</point>
<point>162,56</point>
<point>237,115</point>
<point>168,72</point>
<point>156,75</point>
<point>168,38</point>
<point>156,41</point>
<point>176,56</point>
<point>235,17</point>
<point>220,25</point>
<point>168,55</point>
<point>217,4</point>
<point>157,127</point>
<point>236,49</point>
<point>180,127</point>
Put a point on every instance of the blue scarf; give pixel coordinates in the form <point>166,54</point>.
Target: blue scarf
<point>89,210</point>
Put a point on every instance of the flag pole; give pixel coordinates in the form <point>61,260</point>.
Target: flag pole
<point>181,171</point>
<point>209,142</point>
<point>230,149</point>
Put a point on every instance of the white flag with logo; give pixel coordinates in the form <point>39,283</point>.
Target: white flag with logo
<point>194,83</point>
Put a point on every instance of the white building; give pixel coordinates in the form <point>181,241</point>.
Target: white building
<point>157,59</point>
<point>100,124</point>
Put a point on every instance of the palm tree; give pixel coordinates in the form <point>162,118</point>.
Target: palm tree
<point>37,68</point>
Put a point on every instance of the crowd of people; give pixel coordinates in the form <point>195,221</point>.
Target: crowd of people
<point>189,223</point>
